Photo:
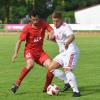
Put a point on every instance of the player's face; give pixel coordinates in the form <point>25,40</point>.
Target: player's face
<point>34,20</point>
<point>57,22</point>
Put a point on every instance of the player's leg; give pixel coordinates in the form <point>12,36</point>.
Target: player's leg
<point>72,81</point>
<point>49,75</point>
<point>29,66</point>
<point>24,72</point>
<point>62,76</point>
<point>44,59</point>
<point>57,72</point>
<point>58,61</point>
<point>22,75</point>
<point>68,67</point>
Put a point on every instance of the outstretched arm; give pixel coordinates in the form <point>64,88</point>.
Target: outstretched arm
<point>18,44</point>
<point>68,40</point>
<point>50,36</point>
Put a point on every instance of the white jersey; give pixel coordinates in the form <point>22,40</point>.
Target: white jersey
<point>67,57</point>
<point>61,34</point>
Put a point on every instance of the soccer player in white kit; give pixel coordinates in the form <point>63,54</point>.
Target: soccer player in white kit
<point>68,56</point>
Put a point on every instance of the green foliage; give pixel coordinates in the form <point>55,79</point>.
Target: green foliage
<point>49,20</point>
<point>45,7</point>
<point>13,10</point>
<point>86,3</point>
<point>68,16</point>
<point>18,13</point>
<point>70,5</point>
<point>10,8</point>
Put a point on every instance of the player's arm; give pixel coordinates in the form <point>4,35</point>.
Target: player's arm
<point>51,36</point>
<point>69,36</point>
<point>17,47</point>
<point>50,33</point>
<point>68,40</point>
<point>22,38</point>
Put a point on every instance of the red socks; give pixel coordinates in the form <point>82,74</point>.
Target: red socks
<point>49,78</point>
<point>22,75</point>
<point>24,72</point>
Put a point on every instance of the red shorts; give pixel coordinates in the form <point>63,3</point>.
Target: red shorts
<point>38,57</point>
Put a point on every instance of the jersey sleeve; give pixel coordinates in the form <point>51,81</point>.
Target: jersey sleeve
<point>68,30</point>
<point>48,27</point>
<point>23,34</point>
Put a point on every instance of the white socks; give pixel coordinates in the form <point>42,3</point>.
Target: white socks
<point>72,81</point>
<point>60,74</point>
<point>69,77</point>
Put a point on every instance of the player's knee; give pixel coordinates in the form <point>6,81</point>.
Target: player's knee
<point>30,65</point>
<point>54,65</point>
<point>67,69</point>
<point>47,63</point>
<point>51,66</point>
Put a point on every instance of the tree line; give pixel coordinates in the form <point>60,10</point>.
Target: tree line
<point>11,11</point>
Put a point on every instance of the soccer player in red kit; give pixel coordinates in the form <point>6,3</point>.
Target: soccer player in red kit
<point>33,33</point>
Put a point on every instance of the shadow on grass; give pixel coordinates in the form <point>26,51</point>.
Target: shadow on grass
<point>28,92</point>
<point>25,92</point>
<point>87,90</point>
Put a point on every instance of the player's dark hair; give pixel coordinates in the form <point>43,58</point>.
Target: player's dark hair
<point>33,13</point>
<point>57,14</point>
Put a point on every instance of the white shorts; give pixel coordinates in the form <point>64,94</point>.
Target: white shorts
<point>67,59</point>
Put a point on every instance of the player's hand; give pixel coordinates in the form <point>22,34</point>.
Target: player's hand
<point>14,58</point>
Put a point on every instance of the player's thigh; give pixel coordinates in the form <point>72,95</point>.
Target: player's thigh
<point>47,62</point>
<point>70,60</point>
<point>59,59</point>
<point>54,65</point>
<point>56,62</point>
<point>44,59</point>
<point>28,55</point>
<point>75,59</point>
<point>30,63</point>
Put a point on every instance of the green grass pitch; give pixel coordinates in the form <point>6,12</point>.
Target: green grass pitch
<point>87,71</point>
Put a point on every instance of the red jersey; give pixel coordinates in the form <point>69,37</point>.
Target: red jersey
<point>34,36</point>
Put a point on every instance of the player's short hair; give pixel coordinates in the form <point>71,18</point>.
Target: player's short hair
<point>33,13</point>
<point>57,14</point>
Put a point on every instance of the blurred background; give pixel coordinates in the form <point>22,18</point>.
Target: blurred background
<point>14,13</point>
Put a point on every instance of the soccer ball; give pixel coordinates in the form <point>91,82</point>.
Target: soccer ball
<point>53,90</point>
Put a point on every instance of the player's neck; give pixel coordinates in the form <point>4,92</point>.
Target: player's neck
<point>60,24</point>
<point>35,26</point>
